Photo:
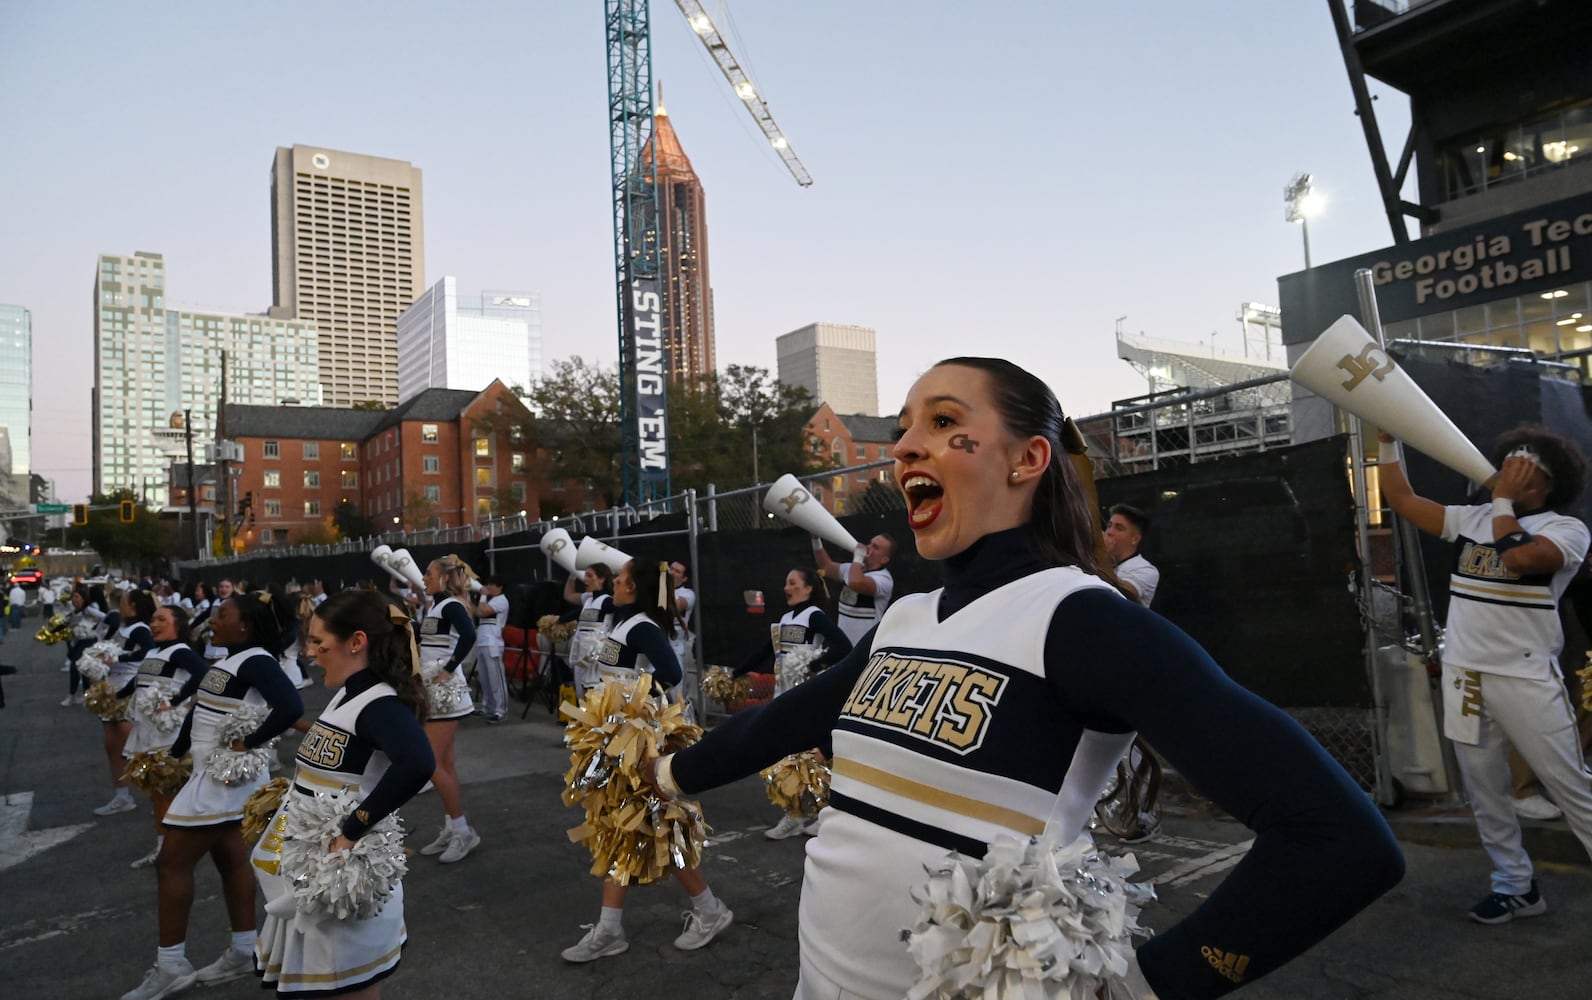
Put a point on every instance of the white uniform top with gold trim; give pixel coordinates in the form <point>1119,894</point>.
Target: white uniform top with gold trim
<point>315,956</point>
<point>156,671</point>
<point>122,671</point>
<point>794,634</point>
<point>438,642</point>
<point>591,627</point>
<point>947,741</point>
<point>204,801</point>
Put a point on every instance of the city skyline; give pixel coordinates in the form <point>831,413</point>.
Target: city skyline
<point>1010,186</point>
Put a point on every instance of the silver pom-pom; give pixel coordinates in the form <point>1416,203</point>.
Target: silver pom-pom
<point>95,663</point>
<point>84,629</point>
<point>238,767</point>
<point>153,705</point>
<point>790,666</point>
<point>1029,920</point>
<point>584,646</point>
<point>446,696</point>
<point>354,883</point>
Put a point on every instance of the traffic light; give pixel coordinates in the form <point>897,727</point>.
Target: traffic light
<point>79,513</point>
<point>127,511</point>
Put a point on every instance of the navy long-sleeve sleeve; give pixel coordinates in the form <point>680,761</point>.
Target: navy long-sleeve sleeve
<point>391,726</point>
<point>756,658</point>
<point>264,674</point>
<point>458,618</point>
<point>836,645</point>
<point>186,659</point>
<point>647,639</point>
<point>137,645</point>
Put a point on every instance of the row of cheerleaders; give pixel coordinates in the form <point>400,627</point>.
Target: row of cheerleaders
<point>327,849</point>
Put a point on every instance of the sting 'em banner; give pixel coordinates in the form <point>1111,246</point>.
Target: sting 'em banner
<point>650,362</point>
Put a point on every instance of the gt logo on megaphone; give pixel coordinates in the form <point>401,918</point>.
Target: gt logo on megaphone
<point>795,499</point>
<point>557,547</point>
<point>1365,365</point>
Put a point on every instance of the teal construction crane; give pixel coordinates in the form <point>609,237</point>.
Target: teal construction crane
<point>644,363</point>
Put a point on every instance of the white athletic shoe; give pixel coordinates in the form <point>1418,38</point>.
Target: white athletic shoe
<point>598,943</point>
<point>441,843</point>
<point>1536,807</point>
<point>699,930</point>
<point>146,860</point>
<point>117,804</point>
<point>462,844</point>
<point>787,827</point>
<point>162,980</point>
<point>68,701</point>
<point>232,964</point>
<point>810,828</point>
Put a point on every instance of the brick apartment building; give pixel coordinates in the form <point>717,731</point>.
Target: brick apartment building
<point>843,440</point>
<point>423,464</point>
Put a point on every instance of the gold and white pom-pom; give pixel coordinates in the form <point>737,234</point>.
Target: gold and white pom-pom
<point>799,784</point>
<point>351,884</point>
<point>152,704</point>
<point>156,772</point>
<point>614,736</point>
<point>725,688</point>
<point>1030,920</point>
<point>260,806</point>
<point>444,698</point>
<point>557,632</point>
<point>95,663</point>
<point>238,767</point>
<point>100,699</point>
<point>790,667</point>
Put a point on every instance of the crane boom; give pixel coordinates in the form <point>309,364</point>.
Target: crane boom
<point>705,30</point>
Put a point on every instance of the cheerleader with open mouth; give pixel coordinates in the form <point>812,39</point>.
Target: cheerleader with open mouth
<point>368,745</point>
<point>205,816</point>
<point>993,711</point>
<point>168,676</point>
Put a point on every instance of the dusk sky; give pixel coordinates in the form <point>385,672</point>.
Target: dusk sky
<point>1003,178</point>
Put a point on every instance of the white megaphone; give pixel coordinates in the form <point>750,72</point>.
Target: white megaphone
<point>381,555</point>
<point>559,547</point>
<point>405,569</point>
<point>590,552</point>
<point>789,499</point>
<point>1346,367</point>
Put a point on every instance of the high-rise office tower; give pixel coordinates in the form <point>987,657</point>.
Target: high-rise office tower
<point>347,255</point>
<point>153,363</point>
<point>452,341</point>
<point>16,385</point>
<point>835,363</point>
<point>687,313</point>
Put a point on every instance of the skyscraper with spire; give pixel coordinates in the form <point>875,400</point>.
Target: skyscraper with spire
<point>682,235</point>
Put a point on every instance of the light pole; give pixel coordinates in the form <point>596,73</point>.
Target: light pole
<point>1302,202</point>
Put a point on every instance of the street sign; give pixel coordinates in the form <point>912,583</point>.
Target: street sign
<point>52,508</point>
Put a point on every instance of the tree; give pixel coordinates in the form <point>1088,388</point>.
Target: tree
<point>417,510</point>
<point>350,523</point>
<point>139,545</point>
<point>321,533</point>
<point>505,502</point>
<point>577,424</point>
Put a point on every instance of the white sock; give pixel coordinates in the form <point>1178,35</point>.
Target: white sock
<point>173,956</point>
<point>611,919</point>
<point>124,792</point>
<point>244,941</point>
<point>705,903</point>
<point>458,823</point>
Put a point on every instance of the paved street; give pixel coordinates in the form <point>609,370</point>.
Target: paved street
<point>76,922</point>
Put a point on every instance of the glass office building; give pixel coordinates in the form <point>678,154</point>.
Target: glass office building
<point>452,341</point>
<point>16,385</point>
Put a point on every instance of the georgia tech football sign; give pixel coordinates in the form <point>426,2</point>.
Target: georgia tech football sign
<point>944,702</point>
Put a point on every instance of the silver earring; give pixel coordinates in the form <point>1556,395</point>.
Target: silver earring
<point>1015,474</point>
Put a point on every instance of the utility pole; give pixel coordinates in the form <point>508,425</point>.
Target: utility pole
<point>224,522</point>
<point>193,486</point>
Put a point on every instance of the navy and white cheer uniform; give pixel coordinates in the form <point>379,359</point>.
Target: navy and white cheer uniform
<point>367,741</point>
<point>1502,683</point>
<point>248,677</point>
<point>636,646</point>
<point>592,623</point>
<point>447,634</point>
<point>861,612</point>
<point>167,667</point>
<point>136,641</point>
<point>802,631</point>
<point>1003,701</point>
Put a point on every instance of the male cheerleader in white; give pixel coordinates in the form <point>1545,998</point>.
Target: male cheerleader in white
<point>867,585</point>
<point>1501,678</point>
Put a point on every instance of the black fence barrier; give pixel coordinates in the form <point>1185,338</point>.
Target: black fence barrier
<point>1255,554</point>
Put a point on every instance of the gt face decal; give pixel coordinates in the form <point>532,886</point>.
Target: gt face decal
<point>962,442</point>
<point>944,702</point>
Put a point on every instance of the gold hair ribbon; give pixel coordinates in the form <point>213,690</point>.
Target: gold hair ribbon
<point>663,586</point>
<point>401,620</point>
